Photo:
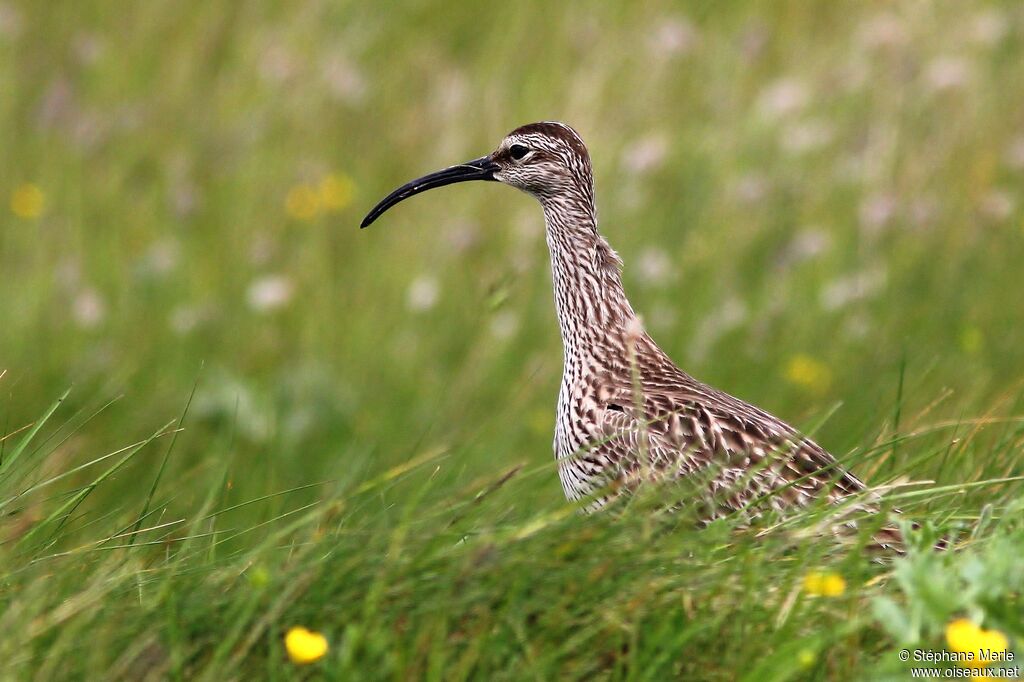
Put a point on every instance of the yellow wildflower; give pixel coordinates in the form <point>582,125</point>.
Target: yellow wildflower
<point>303,202</point>
<point>806,658</point>
<point>806,372</point>
<point>259,577</point>
<point>305,646</point>
<point>824,584</point>
<point>336,191</point>
<point>971,340</point>
<point>28,201</point>
<point>986,646</point>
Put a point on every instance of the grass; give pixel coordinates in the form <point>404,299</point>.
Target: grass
<point>269,418</point>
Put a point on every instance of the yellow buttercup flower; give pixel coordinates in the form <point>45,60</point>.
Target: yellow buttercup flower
<point>971,340</point>
<point>305,646</point>
<point>28,201</point>
<point>303,202</point>
<point>824,584</point>
<point>336,191</point>
<point>806,658</point>
<point>259,577</point>
<point>806,372</point>
<point>963,635</point>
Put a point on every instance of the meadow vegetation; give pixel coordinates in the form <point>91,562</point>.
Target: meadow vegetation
<point>226,411</point>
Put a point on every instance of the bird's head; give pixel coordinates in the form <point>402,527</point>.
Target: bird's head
<point>547,160</point>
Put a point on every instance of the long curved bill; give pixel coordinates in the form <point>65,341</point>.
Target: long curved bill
<point>477,169</point>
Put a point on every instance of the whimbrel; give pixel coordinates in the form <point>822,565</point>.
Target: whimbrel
<point>625,411</point>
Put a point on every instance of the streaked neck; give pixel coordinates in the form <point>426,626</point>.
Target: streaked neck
<point>589,299</point>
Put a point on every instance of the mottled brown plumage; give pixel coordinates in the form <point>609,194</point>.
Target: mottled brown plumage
<point>625,411</point>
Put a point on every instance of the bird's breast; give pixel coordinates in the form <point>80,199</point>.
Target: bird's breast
<point>576,430</point>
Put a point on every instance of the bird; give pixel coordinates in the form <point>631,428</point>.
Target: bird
<point>626,413</point>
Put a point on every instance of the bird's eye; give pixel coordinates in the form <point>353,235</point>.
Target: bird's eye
<point>518,151</point>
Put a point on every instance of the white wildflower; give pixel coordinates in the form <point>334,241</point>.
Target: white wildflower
<point>87,48</point>
<point>343,79</point>
<point>162,257</point>
<point>997,205</point>
<point>731,314</point>
<point>805,136</point>
<point>504,325</point>
<point>989,27</point>
<point>806,245</point>
<point>674,36</point>
<point>883,31</point>
<point>646,154</point>
<point>270,293</point>
<point>183,320</point>
<point>11,21</point>
<point>654,266</point>
<point>277,64</point>
<point>423,294</point>
<point>88,308</point>
<point>947,73</point>
<point>783,98</point>
<point>1015,153</point>
<point>876,212</point>
<point>846,289</point>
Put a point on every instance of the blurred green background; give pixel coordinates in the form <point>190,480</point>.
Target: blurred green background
<point>806,196</point>
<point>819,206</point>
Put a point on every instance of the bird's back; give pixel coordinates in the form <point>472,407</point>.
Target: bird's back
<point>623,419</point>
